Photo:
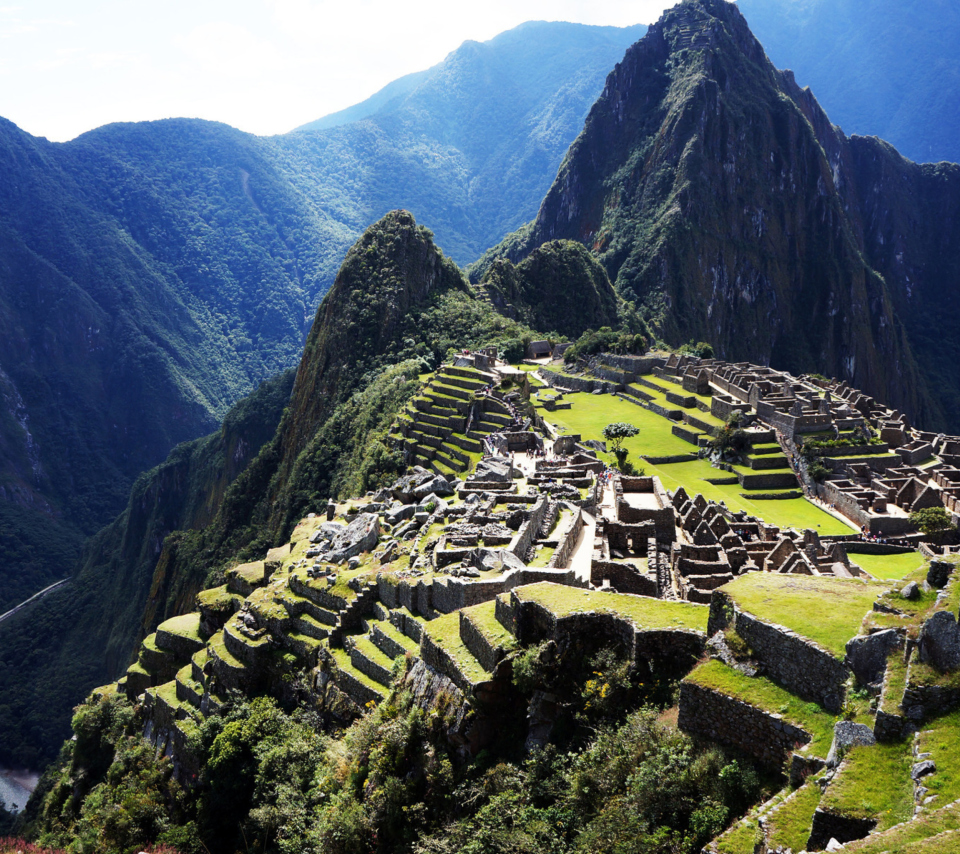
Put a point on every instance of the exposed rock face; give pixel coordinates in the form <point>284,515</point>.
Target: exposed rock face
<point>939,642</point>
<point>867,655</point>
<point>939,573</point>
<point>848,734</point>
<point>717,194</point>
<point>499,471</point>
<point>361,535</point>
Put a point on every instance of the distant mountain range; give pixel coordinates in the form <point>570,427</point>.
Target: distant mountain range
<point>152,274</point>
<point>887,68</point>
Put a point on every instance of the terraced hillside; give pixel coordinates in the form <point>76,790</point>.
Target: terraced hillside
<point>443,427</point>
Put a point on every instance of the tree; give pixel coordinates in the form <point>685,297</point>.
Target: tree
<point>617,433</point>
<point>932,520</point>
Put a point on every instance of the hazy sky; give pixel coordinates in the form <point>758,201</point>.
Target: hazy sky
<point>264,66</point>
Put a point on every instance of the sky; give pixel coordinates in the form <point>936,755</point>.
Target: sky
<point>264,66</point>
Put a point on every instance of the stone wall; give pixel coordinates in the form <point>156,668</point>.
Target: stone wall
<point>768,481</point>
<point>797,663</point>
<point>827,826</point>
<point>568,542</point>
<point>623,577</point>
<point>634,364</point>
<point>675,650</point>
<point>718,717</point>
<point>530,529</point>
<point>555,380</point>
<point>686,435</point>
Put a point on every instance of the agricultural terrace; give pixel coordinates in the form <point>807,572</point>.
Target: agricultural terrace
<point>889,567</point>
<point>590,413</point>
<point>826,610</point>
<point>644,612</point>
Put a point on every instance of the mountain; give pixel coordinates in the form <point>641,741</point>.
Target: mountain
<point>152,274</point>
<point>397,306</point>
<point>719,197</point>
<point>52,652</point>
<point>885,68</point>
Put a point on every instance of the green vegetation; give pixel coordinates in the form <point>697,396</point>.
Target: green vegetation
<point>792,820</point>
<point>644,612</point>
<point>560,286</point>
<point>900,840</point>
<point>932,520</point>
<point>941,738</point>
<point>764,694</point>
<point>74,640</point>
<point>889,567</point>
<point>874,783</point>
<point>800,602</point>
<point>605,340</point>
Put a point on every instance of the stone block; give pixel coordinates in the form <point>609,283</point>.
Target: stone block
<point>939,643</point>
<point>867,655</point>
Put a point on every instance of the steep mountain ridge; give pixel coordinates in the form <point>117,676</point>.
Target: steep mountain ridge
<point>717,195</point>
<point>879,67</point>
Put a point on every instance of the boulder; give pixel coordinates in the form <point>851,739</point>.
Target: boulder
<point>867,655</point>
<point>498,560</point>
<point>400,513</point>
<point>433,504</point>
<point>939,642</point>
<point>403,488</point>
<point>361,535</point>
<point>438,486</point>
<point>939,573</point>
<point>327,531</point>
<point>494,469</point>
<point>921,769</point>
<point>848,734</point>
<point>910,591</point>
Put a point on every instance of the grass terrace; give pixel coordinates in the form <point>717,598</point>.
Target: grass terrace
<point>874,782</point>
<point>445,632</point>
<point>742,838</point>
<point>895,683</point>
<point>483,616</point>
<point>942,739</point>
<point>828,611</point>
<point>889,567</point>
<point>791,822</point>
<point>644,612</point>
<point>902,839</point>
<point>764,694</point>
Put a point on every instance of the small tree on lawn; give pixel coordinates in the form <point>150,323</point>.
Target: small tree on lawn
<point>616,434</point>
<point>932,520</point>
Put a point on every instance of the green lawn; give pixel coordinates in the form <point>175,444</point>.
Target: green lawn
<point>826,610</point>
<point>764,694</point>
<point>789,513</point>
<point>483,616</point>
<point>185,626</point>
<point>874,783</point>
<point>590,413</point>
<point>889,567</point>
<point>645,612</point>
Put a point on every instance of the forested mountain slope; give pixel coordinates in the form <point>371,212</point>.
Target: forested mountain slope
<point>152,274</point>
<point>719,197</point>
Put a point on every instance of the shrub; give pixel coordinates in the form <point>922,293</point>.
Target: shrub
<point>932,520</point>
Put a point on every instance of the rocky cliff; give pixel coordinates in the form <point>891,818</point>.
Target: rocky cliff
<point>717,194</point>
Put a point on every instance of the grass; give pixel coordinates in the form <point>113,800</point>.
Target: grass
<point>828,611</point>
<point>793,819</point>
<point>763,694</point>
<point>895,683</point>
<point>644,612</point>
<point>901,839</point>
<point>742,838</point>
<point>591,413</point>
<point>343,662</point>
<point>542,557</point>
<point>185,626</point>
<point>873,783</point>
<point>889,567</point>
<point>483,616</point>
<point>942,739</point>
<point>445,632</point>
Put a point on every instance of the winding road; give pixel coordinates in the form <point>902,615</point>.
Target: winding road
<point>35,598</point>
